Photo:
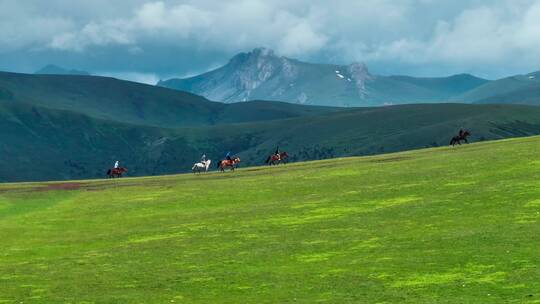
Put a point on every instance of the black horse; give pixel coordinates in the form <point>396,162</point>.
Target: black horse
<point>458,138</point>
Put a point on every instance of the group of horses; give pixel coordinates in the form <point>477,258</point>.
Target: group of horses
<point>273,159</point>
<point>232,163</point>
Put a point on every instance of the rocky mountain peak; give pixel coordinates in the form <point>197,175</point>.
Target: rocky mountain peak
<point>252,69</point>
<point>262,52</point>
<point>256,55</point>
<point>359,72</point>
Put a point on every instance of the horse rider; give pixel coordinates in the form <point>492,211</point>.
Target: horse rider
<point>116,164</point>
<point>461,132</point>
<point>228,156</point>
<point>203,158</point>
<point>278,156</point>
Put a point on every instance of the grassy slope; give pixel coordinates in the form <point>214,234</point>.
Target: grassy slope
<point>67,145</point>
<point>446,225</point>
<point>529,95</point>
<point>369,130</point>
<point>443,87</point>
<point>135,103</point>
<point>505,90</point>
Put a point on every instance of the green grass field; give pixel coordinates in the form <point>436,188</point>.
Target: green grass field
<point>445,225</point>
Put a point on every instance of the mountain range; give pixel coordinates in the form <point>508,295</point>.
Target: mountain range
<point>261,74</point>
<point>52,69</point>
<point>72,126</point>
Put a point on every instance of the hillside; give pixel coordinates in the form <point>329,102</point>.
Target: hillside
<point>519,89</point>
<point>445,225</point>
<point>261,74</point>
<point>44,144</point>
<point>529,96</point>
<point>134,103</point>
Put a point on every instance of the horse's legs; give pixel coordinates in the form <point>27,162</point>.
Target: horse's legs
<point>465,139</point>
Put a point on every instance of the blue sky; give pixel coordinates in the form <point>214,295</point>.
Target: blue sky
<point>146,40</point>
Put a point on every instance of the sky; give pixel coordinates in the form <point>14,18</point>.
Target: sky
<point>144,40</point>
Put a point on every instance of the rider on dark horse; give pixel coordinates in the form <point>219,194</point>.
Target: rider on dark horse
<point>228,156</point>
<point>462,135</point>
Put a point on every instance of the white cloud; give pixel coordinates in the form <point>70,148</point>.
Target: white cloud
<point>484,35</point>
<point>148,78</point>
<point>93,34</point>
<point>451,35</point>
<point>21,28</point>
<point>230,25</point>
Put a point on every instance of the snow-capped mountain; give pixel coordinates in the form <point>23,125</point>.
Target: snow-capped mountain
<point>263,75</point>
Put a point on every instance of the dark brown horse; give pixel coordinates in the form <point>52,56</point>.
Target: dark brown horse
<point>458,138</point>
<point>231,163</point>
<point>116,172</point>
<point>276,159</point>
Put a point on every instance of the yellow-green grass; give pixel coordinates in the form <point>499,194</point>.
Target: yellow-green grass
<point>445,225</point>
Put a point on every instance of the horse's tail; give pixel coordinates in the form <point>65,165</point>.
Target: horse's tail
<point>193,168</point>
<point>109,172</point>
<point>208,162</point>
<point>218,164</point>
<point>268,159</point>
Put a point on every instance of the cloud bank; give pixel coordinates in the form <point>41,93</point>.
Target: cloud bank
<point>489,38</point>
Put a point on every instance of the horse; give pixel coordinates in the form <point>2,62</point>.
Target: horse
<point>275,159</point>
<point>200,167</point>
<point>222,164</point>
<point>116,172</point>
<point>458,138</point>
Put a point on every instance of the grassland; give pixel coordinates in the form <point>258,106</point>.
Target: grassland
<point>444,225</point>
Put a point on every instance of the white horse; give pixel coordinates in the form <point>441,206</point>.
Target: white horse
<point>200,167</point>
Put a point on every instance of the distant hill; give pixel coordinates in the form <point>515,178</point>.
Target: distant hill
<point>52,69</point>
<point>260,74</point>
<point>529,95</point>
<point>520,89</point>
<point>70,126</point>
<point>38,143</point>
<point>130,102</point>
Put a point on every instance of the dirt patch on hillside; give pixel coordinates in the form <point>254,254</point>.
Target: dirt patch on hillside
<point>96,185</point>
<point>391,159</point>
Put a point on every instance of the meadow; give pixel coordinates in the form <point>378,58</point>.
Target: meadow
<point>439,225</point>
